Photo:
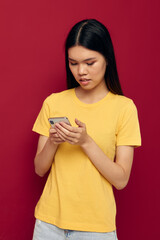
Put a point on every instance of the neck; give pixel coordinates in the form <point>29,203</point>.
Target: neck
<point>92,95</point>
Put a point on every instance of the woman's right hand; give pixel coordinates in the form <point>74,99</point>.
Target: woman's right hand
<point>54,136</point>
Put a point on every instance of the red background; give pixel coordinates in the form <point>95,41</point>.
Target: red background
<point>32,67</point>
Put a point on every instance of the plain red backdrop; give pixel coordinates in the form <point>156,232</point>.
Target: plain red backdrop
<point>32,67</point>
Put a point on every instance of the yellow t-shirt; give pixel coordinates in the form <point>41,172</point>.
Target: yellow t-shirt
<point>76,196</point>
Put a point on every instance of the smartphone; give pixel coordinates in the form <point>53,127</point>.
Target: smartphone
<point>57,120</point>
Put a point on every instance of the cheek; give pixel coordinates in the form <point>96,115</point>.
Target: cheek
<point>103,68</point>
<point>99,70</point>
<point>72,70</point>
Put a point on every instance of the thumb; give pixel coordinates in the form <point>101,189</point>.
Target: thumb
<point>79,123</point>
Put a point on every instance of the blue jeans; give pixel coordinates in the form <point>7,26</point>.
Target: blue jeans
<point>46,231</point>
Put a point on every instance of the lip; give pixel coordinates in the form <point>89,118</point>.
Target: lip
<point>84,81</point>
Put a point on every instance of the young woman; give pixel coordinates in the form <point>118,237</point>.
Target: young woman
<point>92,154</point>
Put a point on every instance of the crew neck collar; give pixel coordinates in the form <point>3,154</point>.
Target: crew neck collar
<point>89,104</point>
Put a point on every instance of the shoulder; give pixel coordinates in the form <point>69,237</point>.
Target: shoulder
<point>58,96</point>
<point>122,102</point>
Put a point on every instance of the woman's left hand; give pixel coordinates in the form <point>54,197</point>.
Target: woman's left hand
<point>73,135</point>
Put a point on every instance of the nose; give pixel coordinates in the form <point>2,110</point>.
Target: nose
<point>82,70</point>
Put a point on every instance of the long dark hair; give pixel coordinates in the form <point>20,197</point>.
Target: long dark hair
<point>93,35</point>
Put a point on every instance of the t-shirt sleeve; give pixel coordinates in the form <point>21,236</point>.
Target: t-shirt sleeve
<point>41,124</point>
<point>128,132</point>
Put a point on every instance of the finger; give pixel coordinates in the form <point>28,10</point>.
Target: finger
<point>56,138</point>
<point>61,135</point>
<point>70,137</point>
<point>79,123</point>
<point>54,135</point>
<point>68,127</point>
<point>68,132</point>
<point>52,130</point>
<point>65,139</point>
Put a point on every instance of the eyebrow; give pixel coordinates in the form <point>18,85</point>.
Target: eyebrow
<point>88,59</point>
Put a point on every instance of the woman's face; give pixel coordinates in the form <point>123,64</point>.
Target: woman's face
<point>87,66</point>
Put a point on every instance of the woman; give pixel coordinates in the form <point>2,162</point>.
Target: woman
<point>94,152</point>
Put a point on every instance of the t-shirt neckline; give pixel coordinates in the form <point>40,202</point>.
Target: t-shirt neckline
<point>89,105</point>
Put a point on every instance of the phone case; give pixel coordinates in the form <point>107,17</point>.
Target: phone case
<point>58,119</point>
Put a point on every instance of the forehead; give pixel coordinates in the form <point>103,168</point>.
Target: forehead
<point>80,53</point>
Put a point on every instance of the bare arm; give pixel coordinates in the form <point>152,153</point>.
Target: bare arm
<point>47,147</point>
<point>118,172</point>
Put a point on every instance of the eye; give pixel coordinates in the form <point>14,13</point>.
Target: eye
<point>73,64</point>
<point>89,64</point>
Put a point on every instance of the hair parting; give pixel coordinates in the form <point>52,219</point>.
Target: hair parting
<point>79,33</point>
